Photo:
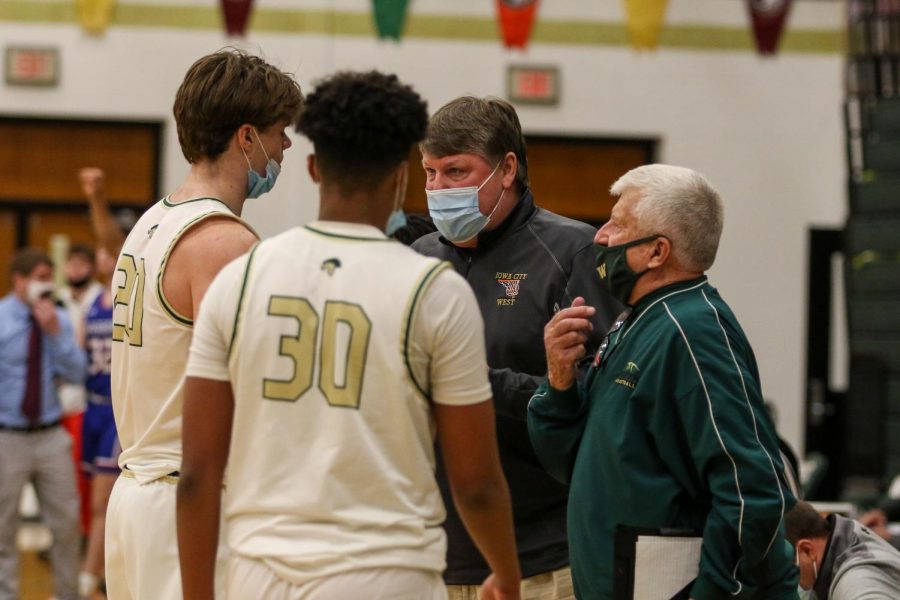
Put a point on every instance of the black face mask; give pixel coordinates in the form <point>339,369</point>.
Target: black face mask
<point>613,269</point>
<point>79,283</point>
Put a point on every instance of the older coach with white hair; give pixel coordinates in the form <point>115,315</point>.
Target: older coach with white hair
<point>668,429</point>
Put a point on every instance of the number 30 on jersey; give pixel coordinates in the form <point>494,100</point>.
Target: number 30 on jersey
<point>345,335</point>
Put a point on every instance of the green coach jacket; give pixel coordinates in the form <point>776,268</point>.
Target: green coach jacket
<point>669,430</point>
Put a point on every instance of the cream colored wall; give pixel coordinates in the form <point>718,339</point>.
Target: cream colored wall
<point>767,132</point>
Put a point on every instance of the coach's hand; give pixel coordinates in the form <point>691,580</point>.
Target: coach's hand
<point>564,338</point>
<point>495,589</point>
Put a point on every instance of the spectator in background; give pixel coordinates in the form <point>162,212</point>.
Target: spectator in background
<point>841,559</point>
<point>82,287</point>
<point>79,293</point>
<point>100,442</point>
<point>878,520</point>
<point>523,263</point>
<point>37,345</point>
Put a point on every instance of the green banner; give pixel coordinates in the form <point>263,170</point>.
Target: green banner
<point>390,16</point>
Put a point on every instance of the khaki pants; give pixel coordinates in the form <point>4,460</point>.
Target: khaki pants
<point>250,579</point>
<point>555,585</point>
<point>45,459</point>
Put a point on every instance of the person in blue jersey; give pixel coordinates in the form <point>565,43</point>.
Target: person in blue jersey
<point>100,442</point>
<point>668,429</point>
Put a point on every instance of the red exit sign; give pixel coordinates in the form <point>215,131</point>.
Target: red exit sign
<point>32,66</point>
<point>533,85</point>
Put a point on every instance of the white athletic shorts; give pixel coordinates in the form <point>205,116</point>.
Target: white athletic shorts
<point>142,542</point>
<point>251,579</point>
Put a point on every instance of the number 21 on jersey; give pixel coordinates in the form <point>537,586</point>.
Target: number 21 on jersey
<point>128,304</point>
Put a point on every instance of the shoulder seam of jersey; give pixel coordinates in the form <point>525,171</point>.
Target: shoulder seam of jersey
<point>168,308</point>
<point>413,306</point>
<point>237,312</point>
<point>168,204</point>
<point>341,236</point>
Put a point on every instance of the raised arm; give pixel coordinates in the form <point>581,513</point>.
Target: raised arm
<point>107,231</point>
<point>556,411</point>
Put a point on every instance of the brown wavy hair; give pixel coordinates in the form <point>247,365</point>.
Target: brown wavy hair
<point>225,90</point>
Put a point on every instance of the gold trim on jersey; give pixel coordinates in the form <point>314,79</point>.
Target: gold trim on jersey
<point>347,237</point>
<point>172,479</point>
<point>407,331</point>
<point>168,308</point>
<point>240,306</point>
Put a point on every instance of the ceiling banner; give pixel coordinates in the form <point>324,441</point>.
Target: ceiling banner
<point>516,20</point>
<point>390,17</point>
<point>94,15</point>
<point>237,13</point>
<point>768,18</point>
<point>645,19</point>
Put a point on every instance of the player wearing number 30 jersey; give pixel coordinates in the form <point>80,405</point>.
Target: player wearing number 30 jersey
<point>332,436</point>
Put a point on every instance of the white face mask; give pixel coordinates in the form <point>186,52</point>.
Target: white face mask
<point>807,594</point>
<point>37,290</point>
<point>456,212</point>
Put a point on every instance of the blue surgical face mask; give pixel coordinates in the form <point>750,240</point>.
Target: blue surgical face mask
<point>455,211</point>
<point>397,218</point>
<point>256,184</point>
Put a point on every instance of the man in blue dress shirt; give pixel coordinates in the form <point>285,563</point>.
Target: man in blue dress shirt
<point>37,347</point>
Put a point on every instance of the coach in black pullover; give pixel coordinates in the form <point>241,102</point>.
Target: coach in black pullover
<point>524,265</point>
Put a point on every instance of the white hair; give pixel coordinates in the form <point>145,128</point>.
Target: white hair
<point>680,204</point>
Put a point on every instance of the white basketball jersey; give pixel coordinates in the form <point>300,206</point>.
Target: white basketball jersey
<point>331,464</point>
<point>151,340</point>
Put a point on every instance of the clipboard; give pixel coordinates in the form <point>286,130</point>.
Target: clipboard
<point>655,564</point>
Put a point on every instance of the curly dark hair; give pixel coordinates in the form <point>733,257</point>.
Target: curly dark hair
<point>362,125</point>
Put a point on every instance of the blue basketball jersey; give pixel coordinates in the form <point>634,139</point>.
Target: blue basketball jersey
<point>98,342</point>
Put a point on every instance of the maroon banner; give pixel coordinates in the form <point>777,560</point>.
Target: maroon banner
<point>516,20</point>
<point>768,18</point>
<point>236,14</point>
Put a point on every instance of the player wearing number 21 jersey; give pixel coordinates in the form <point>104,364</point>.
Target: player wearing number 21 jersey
<point>231,111</point>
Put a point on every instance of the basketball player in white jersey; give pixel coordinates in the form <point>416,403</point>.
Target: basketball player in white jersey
<point>231,111</point>
<point>322,364</point>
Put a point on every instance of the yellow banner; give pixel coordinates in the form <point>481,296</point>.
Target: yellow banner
<point>645,18</point>
<point>94,15</point>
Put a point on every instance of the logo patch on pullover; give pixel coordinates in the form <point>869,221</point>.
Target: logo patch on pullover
<point>511,283</point>
<point>630,376</point>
